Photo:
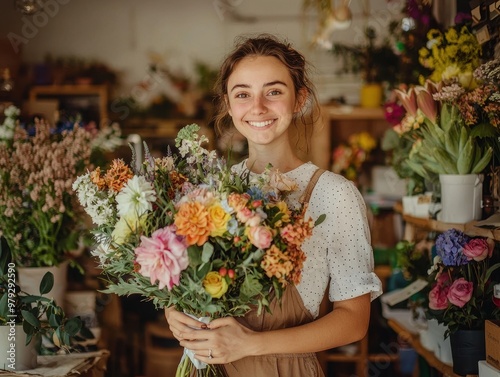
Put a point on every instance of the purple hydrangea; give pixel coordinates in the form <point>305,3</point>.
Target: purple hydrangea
<point>450,245</point>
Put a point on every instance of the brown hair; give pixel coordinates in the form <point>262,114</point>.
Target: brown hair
<point>266,45</point>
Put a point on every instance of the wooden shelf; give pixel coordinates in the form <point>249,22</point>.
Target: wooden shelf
<point>335,125</point>
<point>429,356</point>
<point>58,91</point>
<point>469,228</point>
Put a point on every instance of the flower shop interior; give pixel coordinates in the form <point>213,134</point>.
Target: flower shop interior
<point>409,101</point>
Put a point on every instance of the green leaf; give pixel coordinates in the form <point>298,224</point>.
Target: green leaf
<point>203,270</point>
<point>47,283</point>
<point>320,219</point>
<point>490,271</point>
<point>73,326</point>
<point>251,286</point>
<point>30,318</point>
<point>53,321</point>
<point>86,333</point>
<point>194,256</point>
<point>483,162</point>
<point>464,161</point>
<point>207,252</point>
<point>4,309</point>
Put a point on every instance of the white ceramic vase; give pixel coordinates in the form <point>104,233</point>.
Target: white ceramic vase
<point>461,197</point>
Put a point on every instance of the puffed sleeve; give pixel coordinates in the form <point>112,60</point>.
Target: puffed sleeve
<point>350,255</point>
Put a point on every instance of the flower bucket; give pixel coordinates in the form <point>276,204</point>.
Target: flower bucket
<point>468,347</point>
<point>461,197</point>
<point>14,353</point>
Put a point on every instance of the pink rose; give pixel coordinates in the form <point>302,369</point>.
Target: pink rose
<point>162,257</point>
<point>477,249</point>
<point>254,221</point>
<point>460,292</point>
<point>244,214</point>
<point>443,279</point>
<point>437,297</point>
<point>260,236</point>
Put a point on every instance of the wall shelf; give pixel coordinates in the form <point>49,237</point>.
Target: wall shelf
<point>95,96</point>
<point>469,228</point>
<point>335,125</point>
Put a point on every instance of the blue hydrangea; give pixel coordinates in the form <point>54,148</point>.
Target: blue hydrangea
<point>450,245</point>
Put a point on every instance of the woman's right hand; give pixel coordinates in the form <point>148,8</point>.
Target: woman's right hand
<point>181,324</point>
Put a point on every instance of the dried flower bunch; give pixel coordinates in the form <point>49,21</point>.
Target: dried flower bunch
<point>464,273</point>
<point>40,217</point>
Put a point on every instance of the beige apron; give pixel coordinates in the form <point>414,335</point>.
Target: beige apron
<point>290,313</point>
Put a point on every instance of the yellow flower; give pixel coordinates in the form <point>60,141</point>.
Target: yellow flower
<point>450,72</point>
<point>215,285</point>
<point>193,222</point>
<point>125,226</point>
<point>366,141</point>
<point>219,219</point>
<point>282,206</point>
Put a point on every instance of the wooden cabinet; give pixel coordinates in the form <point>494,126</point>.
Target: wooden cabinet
<point>89,99</point>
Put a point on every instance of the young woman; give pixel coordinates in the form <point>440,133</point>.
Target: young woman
<point>264,90</point>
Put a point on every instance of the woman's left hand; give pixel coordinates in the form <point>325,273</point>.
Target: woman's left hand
<point>224,341</point>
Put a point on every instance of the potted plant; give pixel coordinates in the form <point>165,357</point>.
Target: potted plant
<point>462,278</point>
<point>26,319</point>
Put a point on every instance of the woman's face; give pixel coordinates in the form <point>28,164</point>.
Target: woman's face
<point>261,99</point>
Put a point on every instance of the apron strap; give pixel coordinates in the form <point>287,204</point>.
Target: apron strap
<point>304,199</point>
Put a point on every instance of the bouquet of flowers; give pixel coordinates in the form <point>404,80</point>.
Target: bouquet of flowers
<point>462,281</point>
<point>348,159</point>
<point>187,231</point>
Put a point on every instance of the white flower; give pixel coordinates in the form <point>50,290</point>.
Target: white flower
<point>136,197</point>
<point>99,205</point>
<point>434,267</point>
<point>101,251</point>
<point>12,112</point>
<point>6,133</point>
<point>101,212</point>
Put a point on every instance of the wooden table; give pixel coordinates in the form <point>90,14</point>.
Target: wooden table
<point>88,364</point>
